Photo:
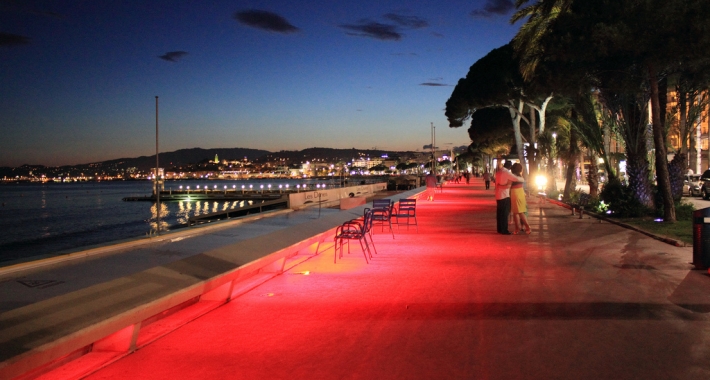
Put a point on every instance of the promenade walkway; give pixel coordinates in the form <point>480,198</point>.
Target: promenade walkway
<point>576,299</point>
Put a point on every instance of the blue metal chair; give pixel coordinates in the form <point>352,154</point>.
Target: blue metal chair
<point>354,230</point>
<point>407,208</point>
<point>382,213</point>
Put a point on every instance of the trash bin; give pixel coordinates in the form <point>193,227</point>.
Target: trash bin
<point>701,238</point>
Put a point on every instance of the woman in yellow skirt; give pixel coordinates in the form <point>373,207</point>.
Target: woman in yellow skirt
<point>518,205</point>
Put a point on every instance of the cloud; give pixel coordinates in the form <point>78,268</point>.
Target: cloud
<point>173,56</point>
<point>264,20</point>
<point>438,35</point>
<point>411,22</point>
<point>7,39</point>
<point>374,30</point>
<point>434,84</point>
<point>494,8</point>
<point>385,31</point>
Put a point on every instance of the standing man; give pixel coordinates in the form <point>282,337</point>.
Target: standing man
<point>487,179</point>
<point>504,178</point>
<point>431,183</point>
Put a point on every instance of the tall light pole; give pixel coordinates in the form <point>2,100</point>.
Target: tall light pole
<point>157,165</point>
<point>433,151</point>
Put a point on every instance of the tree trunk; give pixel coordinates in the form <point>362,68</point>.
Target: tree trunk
<point>593,174</point>
<point>676,171</point>
<point>659,142</point>
<point>683,110</point>
<point>532,151</point>
<point>637,170</point>
<point>571,164</point>
<point>516,117</point>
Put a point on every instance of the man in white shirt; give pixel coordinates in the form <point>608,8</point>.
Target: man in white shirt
<point>504,178</point>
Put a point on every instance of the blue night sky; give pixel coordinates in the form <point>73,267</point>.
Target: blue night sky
<point>78,78</point>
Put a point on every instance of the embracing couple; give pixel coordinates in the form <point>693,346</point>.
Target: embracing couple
<point>509,180</point>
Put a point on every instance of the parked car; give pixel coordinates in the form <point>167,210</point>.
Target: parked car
<point>692,185</point>
<point>705,184</point>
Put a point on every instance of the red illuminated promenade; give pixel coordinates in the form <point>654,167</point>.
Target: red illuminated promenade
<point>577,299</point>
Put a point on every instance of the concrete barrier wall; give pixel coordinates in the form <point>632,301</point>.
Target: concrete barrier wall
<point>330,197</point>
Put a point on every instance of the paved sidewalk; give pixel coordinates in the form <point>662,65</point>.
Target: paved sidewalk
<point>575,299</point>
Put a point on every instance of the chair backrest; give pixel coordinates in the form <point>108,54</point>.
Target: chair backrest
<point>367,221</point>
<point>407,203</point>
<point>381,203</point>
<point>407,207</point>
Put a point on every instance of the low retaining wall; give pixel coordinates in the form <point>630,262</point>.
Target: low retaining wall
<point>331,197</point>
<point>84,330</point>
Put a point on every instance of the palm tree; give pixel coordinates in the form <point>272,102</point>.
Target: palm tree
<point>527,41</point>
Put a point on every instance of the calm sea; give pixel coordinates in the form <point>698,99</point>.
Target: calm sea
<point>47,219</point>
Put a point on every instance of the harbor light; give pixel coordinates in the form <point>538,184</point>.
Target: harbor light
<point>269,186</point>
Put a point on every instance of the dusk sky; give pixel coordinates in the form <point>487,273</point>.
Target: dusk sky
<point>78,78</point>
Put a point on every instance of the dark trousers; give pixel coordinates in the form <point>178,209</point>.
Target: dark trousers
<point>488,185</point>
<point>502,211</point>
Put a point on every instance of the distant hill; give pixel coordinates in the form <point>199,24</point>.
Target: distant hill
<point>182,157</point>
<point>329,154</point>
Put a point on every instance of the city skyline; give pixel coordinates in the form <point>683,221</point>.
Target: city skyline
<point>80,79</point>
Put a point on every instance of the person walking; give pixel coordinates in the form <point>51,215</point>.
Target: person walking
<point>518,204</point>
<point>431,182</point>
<point>487,179</point>
<point>504,178</point>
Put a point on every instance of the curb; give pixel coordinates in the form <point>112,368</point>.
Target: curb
<point>667,240</point>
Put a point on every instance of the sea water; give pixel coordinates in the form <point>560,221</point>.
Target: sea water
<point>37,220</point>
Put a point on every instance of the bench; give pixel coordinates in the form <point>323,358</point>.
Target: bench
<point>582,202</point>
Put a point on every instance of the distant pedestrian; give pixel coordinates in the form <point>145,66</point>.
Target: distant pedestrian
<point>518,203</point>
<point>431,183</point>
<point>468,177</point>
<point>487,179</point>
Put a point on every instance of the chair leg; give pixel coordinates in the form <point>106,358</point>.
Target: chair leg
<point>363,252</point>
<point>373,243</point>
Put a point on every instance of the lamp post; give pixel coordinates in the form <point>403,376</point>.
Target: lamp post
<point>157,165</point>
<point>433,150</point>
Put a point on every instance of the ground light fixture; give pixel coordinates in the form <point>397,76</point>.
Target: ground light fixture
<point>541,182</point>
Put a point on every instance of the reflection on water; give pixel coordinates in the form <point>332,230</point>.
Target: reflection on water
<point>164,213</point>
<point>53,218</point>
<point>178,213</point>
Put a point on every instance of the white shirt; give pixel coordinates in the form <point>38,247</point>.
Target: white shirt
<point>504,178</point>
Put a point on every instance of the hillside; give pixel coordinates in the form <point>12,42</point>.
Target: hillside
<point>182,157</point>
